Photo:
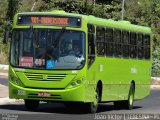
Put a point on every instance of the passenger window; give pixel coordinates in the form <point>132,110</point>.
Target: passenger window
<point>125,44</point>
<point>147,46</point>
<point>100,39</point>
<point>91,44</point>
<point>140,46</point>
<point>117,45</point>
<point>133,45</point>
<point>109,42</point>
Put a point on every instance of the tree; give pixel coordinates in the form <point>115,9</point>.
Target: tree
<point>104,1</point>
<point>3,8</point>
<point>105,9</point>
<point>8,8</point>
<point>13,6</point>
<point>71,6</point>
<point>156,62</point>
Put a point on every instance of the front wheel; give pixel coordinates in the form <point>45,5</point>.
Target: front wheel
<point>31,105</point>
<point>93,106</point>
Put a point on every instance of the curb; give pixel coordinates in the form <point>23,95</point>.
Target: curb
<point>155,86</point>
<point>6,101</point>
<point>4,67</point>
<point>156,78</point>
<point>4,74</point>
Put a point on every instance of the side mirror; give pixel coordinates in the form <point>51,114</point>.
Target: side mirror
<point>6,36</point>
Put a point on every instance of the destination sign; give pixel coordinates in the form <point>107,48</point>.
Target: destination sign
<point>49,20</point>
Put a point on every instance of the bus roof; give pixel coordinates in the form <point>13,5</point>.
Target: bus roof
<point>126,25</point>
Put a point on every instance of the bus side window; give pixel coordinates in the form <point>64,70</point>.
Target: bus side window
<point>109,41</point>
<point>125,43</point>
<point>133,45</point>
<point>100,39</point>
<point>117,45</point>
<point>91,44</point>
<point>147,46</point>
<point>140,45</point>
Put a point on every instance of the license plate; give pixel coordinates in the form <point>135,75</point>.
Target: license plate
<point>44,94</point>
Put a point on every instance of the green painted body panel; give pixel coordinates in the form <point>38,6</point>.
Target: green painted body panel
<point>54,83</point>
<point>75,94</point>
<point>116,74</point>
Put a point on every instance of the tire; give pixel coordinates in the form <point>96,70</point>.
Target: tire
<point>126,104</point>
<point>31,105</point>
<point>130,101</point>
<point>72,106</point>
<point>93,106</point>
<point>118,105</point>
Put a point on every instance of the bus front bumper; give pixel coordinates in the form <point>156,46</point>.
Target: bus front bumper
<point>76,94</point>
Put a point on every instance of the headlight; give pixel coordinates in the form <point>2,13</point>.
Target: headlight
<point>79,81</point>
<point>16,80</point>
<point>12,78</point>
<point>75,83</point>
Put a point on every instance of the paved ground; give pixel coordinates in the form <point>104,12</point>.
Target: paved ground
<point>3,91</point>
<point>149,105</point>
<point>15,109</point>
<point>3,80</point>
<point>3,87</point>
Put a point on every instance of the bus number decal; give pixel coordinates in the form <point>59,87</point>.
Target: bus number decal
<point>134,70</point>
<point>101,68</point>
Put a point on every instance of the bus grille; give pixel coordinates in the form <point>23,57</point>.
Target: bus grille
<point>45,77</point>
<point>52,97</point>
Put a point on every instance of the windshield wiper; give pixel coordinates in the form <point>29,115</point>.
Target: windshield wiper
<point>34,37</point>
<point>57,40</point>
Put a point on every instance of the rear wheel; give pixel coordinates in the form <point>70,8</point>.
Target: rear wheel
<point>127,104</point>
<point>31,105</point>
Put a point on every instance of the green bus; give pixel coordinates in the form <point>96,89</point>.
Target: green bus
<point>78,59</point>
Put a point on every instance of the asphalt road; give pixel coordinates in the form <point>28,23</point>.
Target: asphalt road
<point>56,111</point>
<point>3,80</point>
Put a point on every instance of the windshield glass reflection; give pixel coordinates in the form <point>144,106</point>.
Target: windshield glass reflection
<point>48,49</point>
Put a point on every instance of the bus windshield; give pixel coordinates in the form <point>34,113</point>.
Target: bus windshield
<point>48,49</point>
